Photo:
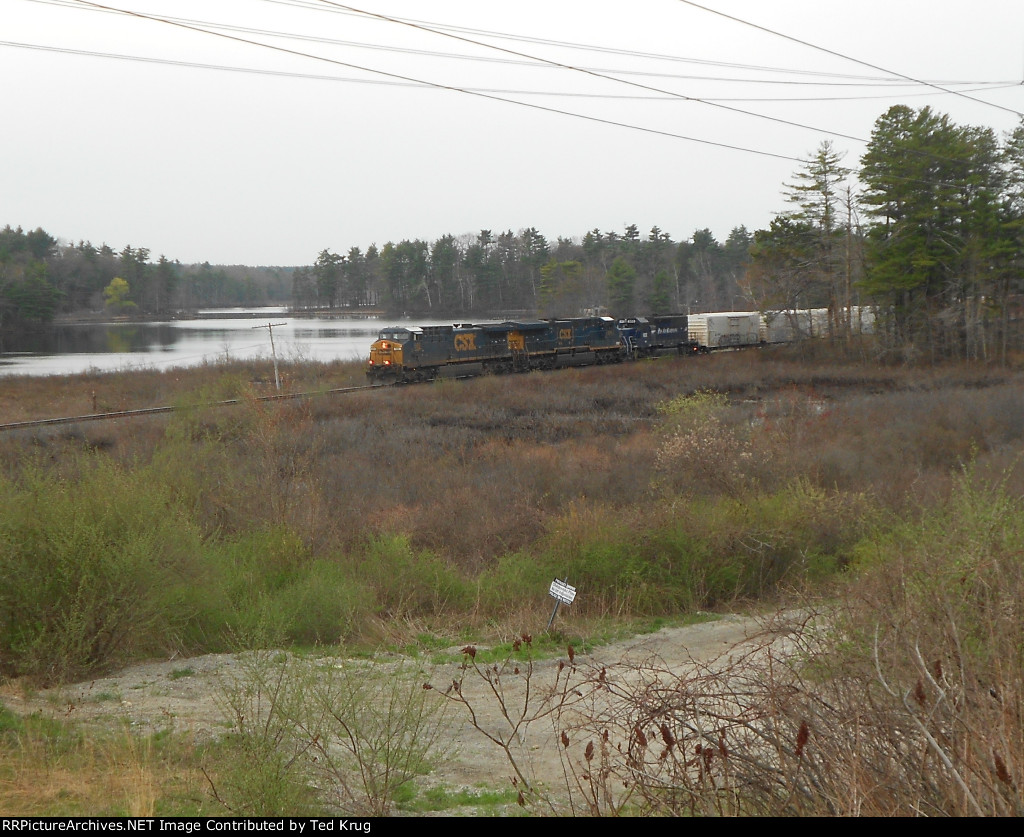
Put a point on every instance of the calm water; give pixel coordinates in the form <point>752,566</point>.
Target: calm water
<point>68,349</point>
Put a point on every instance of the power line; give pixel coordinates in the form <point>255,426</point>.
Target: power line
<point>195,65</point>
<point>561,65</point>
<point>847,57</point>
<point>335,4</point>
<point>315,5</point>
<point>492,96</point>
<point>848,80</point>
<point>452,88</point>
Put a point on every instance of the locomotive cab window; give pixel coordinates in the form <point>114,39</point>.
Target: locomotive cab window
<point>397,335</point>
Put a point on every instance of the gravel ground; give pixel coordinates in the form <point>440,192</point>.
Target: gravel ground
<point>185,695</point>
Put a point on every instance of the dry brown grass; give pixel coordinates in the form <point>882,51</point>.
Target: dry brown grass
<point>115,775</point>
<point>27,398</point>
<point>476,468</point>
<point>474,471</point>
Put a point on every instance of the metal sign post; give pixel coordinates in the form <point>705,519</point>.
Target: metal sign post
<point>562,593</point>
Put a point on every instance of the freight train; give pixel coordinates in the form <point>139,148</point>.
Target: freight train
<point>422,353</point>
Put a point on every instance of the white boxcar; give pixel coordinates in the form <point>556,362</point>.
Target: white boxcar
<point>789,326</point>
<point>730,328</point>
<point>862,320</point>
<point>785,326</point>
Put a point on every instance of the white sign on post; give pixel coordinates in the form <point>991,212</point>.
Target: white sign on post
<point>562,591</point>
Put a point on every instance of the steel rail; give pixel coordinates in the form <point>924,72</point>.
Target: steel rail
<point>150,411</point>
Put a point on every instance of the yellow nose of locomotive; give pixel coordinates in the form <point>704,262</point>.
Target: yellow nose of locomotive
<point>385,356</point>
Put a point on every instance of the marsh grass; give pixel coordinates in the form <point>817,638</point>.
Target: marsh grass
<point>657,489</point>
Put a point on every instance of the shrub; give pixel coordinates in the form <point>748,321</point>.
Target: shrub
<point>91,571</point>
<point>702,453</point>
<point>406,583</point>
<point>321,735</point>
<point>267,586</point>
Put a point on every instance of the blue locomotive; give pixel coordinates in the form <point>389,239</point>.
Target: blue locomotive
<point>422,353</point>
<point>656,335</point>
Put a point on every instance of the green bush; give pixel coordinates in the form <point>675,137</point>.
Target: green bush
<point>407,583</point>
<point>267,586</point>
<point>681,554</point>
<point>607,553</point>
<point>957,573</point>
<point>695,576</point>
<point>327,603</point>
<point>92,570</point>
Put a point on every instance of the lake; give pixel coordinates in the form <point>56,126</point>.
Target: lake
<point>215,336</point>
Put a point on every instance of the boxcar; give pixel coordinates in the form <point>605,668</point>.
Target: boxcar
<point>725,330</point>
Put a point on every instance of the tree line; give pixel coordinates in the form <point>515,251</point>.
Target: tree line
<point>41,279</point>
<point>478,276</point>
<point>487,274</point>
<point>929,230</point>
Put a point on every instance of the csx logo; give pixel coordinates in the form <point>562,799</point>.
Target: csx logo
<point>565,334</point>
<point>465,342</point>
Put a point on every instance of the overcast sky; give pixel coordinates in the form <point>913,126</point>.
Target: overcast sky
<point>261,132</point>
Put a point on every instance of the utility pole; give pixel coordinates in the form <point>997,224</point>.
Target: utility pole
<point>270,327</point>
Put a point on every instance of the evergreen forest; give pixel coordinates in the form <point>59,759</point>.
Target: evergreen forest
<point>929,230</point>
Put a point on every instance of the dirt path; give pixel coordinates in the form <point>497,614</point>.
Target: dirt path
<point>668,653</point>
<point>182,694</point>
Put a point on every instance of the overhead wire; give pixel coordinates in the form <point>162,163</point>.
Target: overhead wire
<point>594,74</point>
<point>491,95</point>
<point>846,57</point>
<point>453,88</point>
<point>916,152</point>
<point>315,5</point>
<point>847,80</point>
<point>505,91</point>
<point>711,100</point>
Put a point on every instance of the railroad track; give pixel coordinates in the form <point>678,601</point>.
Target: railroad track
<point>152,411</point>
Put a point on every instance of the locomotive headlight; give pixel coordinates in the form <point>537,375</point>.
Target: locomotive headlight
<point>384,346</point>
<point>387,362</point>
